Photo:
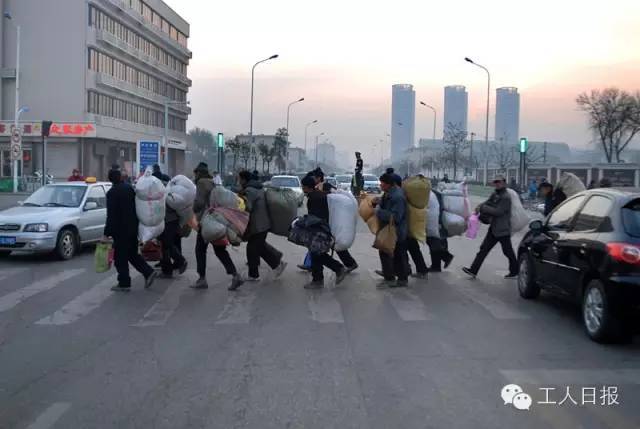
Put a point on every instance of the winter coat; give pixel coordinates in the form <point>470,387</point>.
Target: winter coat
<point>257,207</point>
<point>393,203</point>
<point>204,186</point>
<point>122,220</point>
<point>498,206</point>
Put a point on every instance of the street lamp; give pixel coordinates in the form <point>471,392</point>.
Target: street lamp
<point>435,115</point>
<point>166,130</point>
<point>17,111</point>
<point>486,131</point>
<point>306,128</point>
<point>253,69</point>
<point>317,137</point>
<point>288,113</point>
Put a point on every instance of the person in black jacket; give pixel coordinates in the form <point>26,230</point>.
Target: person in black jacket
<point>318,206</point>
<point>122,227</point>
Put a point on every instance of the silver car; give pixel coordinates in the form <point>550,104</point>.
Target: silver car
<point>56,218</point>
<point>289,182</point>
<point>372,184</point>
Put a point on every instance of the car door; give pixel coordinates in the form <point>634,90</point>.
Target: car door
<point>552,256</point>
<point>92,221</point>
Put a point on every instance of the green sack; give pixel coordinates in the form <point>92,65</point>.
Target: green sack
<point>103,257</point>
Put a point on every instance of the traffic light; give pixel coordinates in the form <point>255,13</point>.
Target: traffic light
<point>221,140</point>
<point>524,144</point>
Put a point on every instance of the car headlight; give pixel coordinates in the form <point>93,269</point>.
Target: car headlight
<point>36,227</point>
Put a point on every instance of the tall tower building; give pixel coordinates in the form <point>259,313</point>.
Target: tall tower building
<point>507,115</point>
<point>403,117</point>
<point>456,106</point>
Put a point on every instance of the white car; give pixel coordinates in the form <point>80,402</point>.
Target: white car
<point>371,184</point>
<point>344,181</point>
<point>289,182</point>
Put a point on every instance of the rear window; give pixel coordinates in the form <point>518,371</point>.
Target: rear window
<point>631,218</point>
<point>343,178</point>
<point>291,182</point>
<point>370,178</point>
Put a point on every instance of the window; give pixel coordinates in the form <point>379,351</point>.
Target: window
<point>562,216</point>
<point>96,194</point>
<point>631,218</point>
<point>593,213</point>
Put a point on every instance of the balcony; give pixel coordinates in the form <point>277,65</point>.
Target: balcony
<point>113,41</point>
<point>122,5</point>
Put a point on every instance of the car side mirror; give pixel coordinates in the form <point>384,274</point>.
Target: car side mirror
<point>536,226</point>
<point>90,205</point>
<point>20,203</point>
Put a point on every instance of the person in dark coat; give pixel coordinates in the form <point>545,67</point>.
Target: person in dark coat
<point>498,207</point>
<point>396,177</point>
<point>157,173</point>
<point>551,198</point>
<point>258,228</point>
<point>122,227</point>
<point>171,254</point>
<point>439,246</point>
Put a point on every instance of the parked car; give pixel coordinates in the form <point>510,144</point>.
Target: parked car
<point>344,181</point>
<point>332,181</point>
<point>56,218</point>
<point>371,183</point>
<point>289,182</point>
<point>588,249</point>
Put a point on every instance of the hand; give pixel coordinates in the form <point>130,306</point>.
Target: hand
<point>375,201</point>
<point>477,210</point>
<point>106,239</point>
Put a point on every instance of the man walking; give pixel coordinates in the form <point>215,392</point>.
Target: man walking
<point>258,228</point>
<point>498,208</point>
<point>122,227</point>
<point>171,255</point>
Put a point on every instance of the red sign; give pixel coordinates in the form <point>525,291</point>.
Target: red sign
<point>58,129</point>
<point>72,130</point>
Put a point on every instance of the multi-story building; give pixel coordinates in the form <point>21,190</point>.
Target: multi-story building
<point>456,107</point>
<point>103,72</point>
<point>326,154</point>
<point>403,118</point>
<point>507,115</point>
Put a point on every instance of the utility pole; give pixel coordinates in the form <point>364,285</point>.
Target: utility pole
<point>544,153</point>
<point>471,152</point>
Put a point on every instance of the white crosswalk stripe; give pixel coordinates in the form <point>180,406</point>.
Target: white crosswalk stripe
<point>162,310</point>
<point>50,416</point>
<point>84,303</point>
<point>10,300</point>
<point>238,308</point>
<point>324,307</point>
<point>408,305</point>
<point>10,272</point>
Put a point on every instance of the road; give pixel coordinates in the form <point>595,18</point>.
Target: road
<point>273,355</point>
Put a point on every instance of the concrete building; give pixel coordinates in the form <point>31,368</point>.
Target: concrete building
<point>297,159</point>
<point>327,154</point>
<point>456,107</point>
<point>403,118</point>
<point>102,71</point>
<point>507,115</point>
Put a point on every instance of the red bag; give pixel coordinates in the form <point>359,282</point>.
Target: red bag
<point>221,242</point>
<point>238,219</point>
<point>152,251</point>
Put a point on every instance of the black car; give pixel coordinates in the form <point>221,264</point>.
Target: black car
<point>588,249</point>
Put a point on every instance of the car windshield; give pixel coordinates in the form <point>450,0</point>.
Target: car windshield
<point>56,196</point>
<point>331,180</point>
<point>370,178</point>
<point>343,178</point>
<point>291,182</point>
<point>631,218</point>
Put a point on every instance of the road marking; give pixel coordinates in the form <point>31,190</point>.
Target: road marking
<point>50,416</point>
<point>10,300</point>
<point>408,305</point>
<point>238,308</point>
<point>164,307</point>
<point>10,272</point>
<point>567,377</point>
<point>324,307</point>
<point>84,303</point>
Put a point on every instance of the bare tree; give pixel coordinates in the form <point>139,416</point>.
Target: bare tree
<point>503,155</point>
<point>281,147</point>
<point>614,115</point>
<point>234,147</point>
<point>245,153</point>
<point>455,143</point>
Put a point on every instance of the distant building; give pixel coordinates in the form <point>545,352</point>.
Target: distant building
<point>326,154</point>
<point>403,114</point>
<point>297,159</point>
<point>456,106</point>
<point>507,115</point>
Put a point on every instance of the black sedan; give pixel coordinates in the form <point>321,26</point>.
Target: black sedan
<point>588,249</point>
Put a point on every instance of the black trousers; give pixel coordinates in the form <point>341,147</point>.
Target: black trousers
<point>221,253</point>
<point>416,254</point>
<point>257,247</point>
<point>396,266</point>
<point>488,243</point>
<point>320,260</point>
<point>125,251</point>
<point>439,250</point>
<point>346,258</point>
<point>171,254</point>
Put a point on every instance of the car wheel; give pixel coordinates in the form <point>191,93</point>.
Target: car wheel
<point>527,285</point>
<point>67,244</point>
<point>600,322</point>
<point>5,253</point>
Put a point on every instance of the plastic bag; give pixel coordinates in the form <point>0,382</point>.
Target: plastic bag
<point>453,224</point>
<point>181,192</point>
<point>237,219</point>
<point>386,239</point>
<point>211,229</point>
<point>343,218</point>
<point>519,216</point>
<point>473,225</point>
<point>417,191</point>
<point>222,197</point>
<point>103,257</point>
<point>570,184</point>
<point>282,205</point>
<point>150,212</point>
<point>151,251</point>
<point>146,233</point>
<point>149,187</point>
<point>433,216</point>
<point>366,209</point>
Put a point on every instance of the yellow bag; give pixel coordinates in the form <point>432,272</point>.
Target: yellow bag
<point>366,209</point>
<point>374,224</point>
<point>241,204</point>
<point>417,189</point>
<point>417,223</point>
<point>386,239</point>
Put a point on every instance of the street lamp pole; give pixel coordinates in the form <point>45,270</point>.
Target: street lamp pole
<point>306,128</point>
<point>288,114</point>
<point>486,131</point>
<point>17,112</point>
<point>435,115</point>
<point>318,136</point>
<point>166,130</point>
<point>253,69</point>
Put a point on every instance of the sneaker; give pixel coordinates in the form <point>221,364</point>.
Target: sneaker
<point>304,267</point>
<point>380,273</point>
<point>468,272</point>
<point>399,283</point>
<point>252,279</point>
<point>447,261</point>
<point>118,288</point>
<point>149,280</point>
<point>347,270</point>
<point>340,275</point>
<point>420,276</point>
<point>384,284</point>
<point>435,270</point>
<point>236,282</point>
<point>279,269</point>
<point>201,283</point>
<point>511,276</point>
<point>183,267</point>
<point>315,284</point>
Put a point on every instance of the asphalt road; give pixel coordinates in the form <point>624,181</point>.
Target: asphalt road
<point>273,355</point>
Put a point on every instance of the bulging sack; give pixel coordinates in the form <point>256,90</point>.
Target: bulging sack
<point>456,204</point>
<point>211,229</point>
<point>150,212</point>
<point>282,204</point>
<point>150,188</point>
<point>386,238</point>
<point>417,223</point>
<point>454,224</point>
<point>417,191</point>
<point>146,233</point>
<point>343,218</point>
<point>570,184</point>
<point>181,192</point>
<point>374,224</point>
<point>519,216</point>
<point>222,197</point>
<point>433,216</point>
<point>365,208</point>
<point>238,220</point>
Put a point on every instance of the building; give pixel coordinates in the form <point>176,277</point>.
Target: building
<point>297,159</point>
<point>507,115</point>
<point>326,154</point>
<point>456,107</point>
<point>403,117</point>
<point>103,72</point>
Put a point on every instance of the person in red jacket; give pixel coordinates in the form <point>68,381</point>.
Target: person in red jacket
<point>76,176</point>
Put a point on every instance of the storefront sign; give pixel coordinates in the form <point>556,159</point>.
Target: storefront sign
<point>58,129</point>
<point>620,177</point>
<point>148,154</point>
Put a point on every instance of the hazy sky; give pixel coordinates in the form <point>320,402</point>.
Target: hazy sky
<point>343,56</point>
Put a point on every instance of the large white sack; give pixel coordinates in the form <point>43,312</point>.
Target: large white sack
<point>454,224</point>
<point>146,233</point>
<point>570,184</point>
<point>150,188</point>
<point>222,197</point>
<point>181,192</point>
<point>150,212</point>
<point>519,216</point>
<point>456,204</point>
<point>211,229</point>
<point>343,218</point>
<point>433,216</point>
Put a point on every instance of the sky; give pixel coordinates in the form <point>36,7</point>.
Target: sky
<point>343,56</point>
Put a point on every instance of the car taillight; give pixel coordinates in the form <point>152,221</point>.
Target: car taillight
<point>624,252</point>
